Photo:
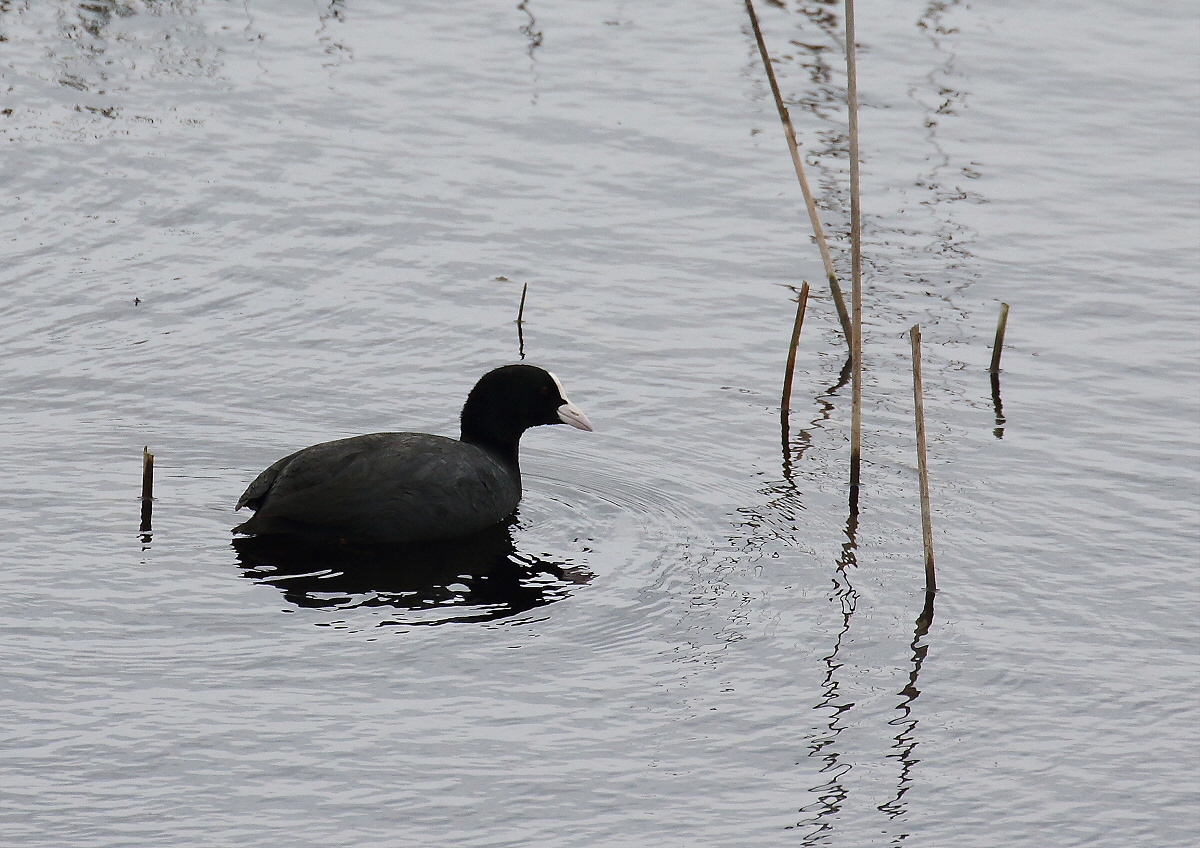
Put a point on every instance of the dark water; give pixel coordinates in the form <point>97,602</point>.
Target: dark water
<point>232,229</point>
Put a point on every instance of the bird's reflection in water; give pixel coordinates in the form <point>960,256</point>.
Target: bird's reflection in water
<point>476,578</point>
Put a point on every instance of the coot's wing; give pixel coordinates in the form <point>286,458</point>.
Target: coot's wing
<point>306,468</point>
<point>255,492</point>
<point>389,487</point>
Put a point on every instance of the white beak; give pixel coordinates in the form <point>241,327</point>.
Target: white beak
<point>571,414</point>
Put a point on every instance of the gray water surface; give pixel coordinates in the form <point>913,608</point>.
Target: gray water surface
<point>232,229</point>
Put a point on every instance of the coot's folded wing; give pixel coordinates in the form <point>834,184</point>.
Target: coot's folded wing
<point>255,492</point>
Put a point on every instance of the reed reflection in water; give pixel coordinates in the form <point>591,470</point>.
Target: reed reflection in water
<point>833,792</point>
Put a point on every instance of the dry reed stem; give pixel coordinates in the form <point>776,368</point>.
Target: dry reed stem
<point>801,303</point>
<point>147,474</point>
<point>922,459</point>
<point>855,259</point>
<point>521,320</point>
<point>998,345</point>
<point>147,488</point>
<point>810,204</point>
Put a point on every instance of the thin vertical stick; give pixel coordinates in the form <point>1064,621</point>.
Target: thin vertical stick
<point>922,460</point>
<point>147,474</point>
<point>798,163</point>
<point>855,260</point>
<point>147,488</point>
<point>801,303</point>
<point>998,346</point>
<point>520,321</point>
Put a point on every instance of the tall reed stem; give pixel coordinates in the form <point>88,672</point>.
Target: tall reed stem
<point>922,458</point>
<point>855,260</point>
<point>789,132</point>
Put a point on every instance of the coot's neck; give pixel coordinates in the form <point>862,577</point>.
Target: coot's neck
<point>497,437</point>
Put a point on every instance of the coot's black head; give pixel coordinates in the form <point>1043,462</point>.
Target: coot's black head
<point>508,401</point>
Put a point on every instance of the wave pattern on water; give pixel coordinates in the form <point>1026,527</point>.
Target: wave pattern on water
<point>234,229</point>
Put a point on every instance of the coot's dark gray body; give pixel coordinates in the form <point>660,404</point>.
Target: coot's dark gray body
<point>386,487</point>
<point>393,488</point>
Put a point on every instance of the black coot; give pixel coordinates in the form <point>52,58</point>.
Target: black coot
<point>394,488</point>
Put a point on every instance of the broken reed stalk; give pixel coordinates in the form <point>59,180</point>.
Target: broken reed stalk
<point>998,345</point>
<point>810,204</point>
<point>520,321</point>
<point>855,260</point>
<point>922,460</point>
<point>801,303</point>
<point>147,474</point>
<point>147,488</point>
